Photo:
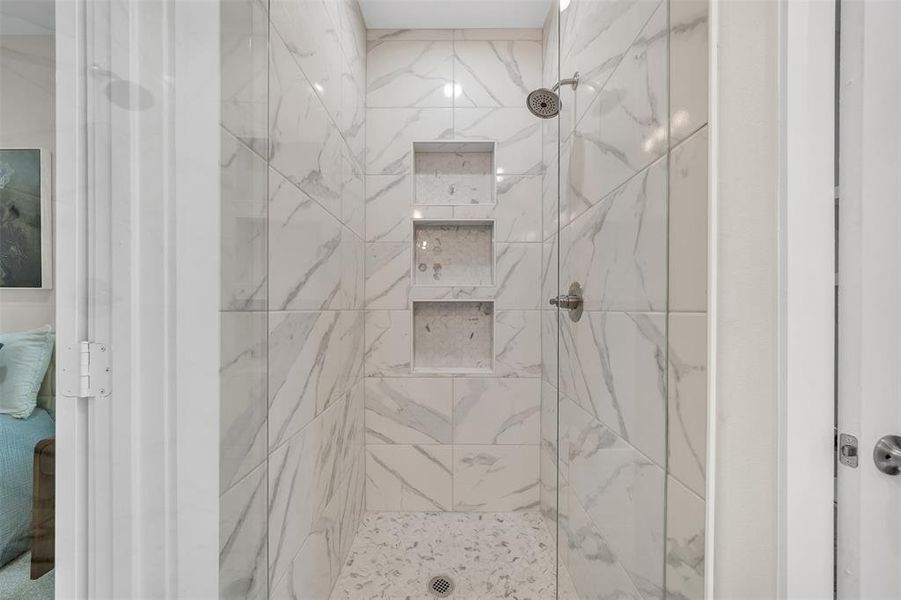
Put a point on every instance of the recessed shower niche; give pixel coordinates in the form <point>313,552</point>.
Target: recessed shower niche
<point>453,253</point>
<point>453,173</point>
<point>453,336</point>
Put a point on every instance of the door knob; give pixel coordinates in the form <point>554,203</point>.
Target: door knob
<point>571,301</point>
<point>887,454</point>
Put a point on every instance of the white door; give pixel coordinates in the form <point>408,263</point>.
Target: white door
<point>138,188</point>
<point>868,500</point>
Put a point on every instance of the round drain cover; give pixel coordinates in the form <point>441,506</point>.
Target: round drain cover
<point>441,586</point>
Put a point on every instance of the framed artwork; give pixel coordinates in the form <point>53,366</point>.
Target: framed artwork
<point>26,227</point>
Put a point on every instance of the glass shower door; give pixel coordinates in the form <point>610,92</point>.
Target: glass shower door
<point>632,217</point>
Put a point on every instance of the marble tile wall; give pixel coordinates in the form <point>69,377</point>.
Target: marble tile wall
<point>445,441</point>
<point>292,454</point>
<point>628,507</point>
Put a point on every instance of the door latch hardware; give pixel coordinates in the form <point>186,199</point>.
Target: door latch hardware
<point>887,454</point>
<point>847,450</point>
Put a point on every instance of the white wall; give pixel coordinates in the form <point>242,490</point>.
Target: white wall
<point>745,160</point>
<point>26,120</point>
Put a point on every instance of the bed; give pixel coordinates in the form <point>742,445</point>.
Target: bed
<point>18,438</point>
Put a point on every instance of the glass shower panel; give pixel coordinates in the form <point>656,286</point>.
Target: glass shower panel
<point>244,292</point>
<point>633,200</point>
<point>632,395</point>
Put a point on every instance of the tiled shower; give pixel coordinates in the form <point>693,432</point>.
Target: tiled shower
<point>399,398</point>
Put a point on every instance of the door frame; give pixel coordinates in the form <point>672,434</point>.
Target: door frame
<point>137,246</point>
<point>806,314</point>
<point>783,502</point>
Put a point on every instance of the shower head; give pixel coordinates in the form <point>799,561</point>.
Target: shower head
<point>543,103</point>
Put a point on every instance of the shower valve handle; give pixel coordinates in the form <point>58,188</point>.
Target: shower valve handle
<point>571,301</point>
<point>566,301</point>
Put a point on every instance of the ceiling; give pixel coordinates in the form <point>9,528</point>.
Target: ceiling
<point>454,14</point>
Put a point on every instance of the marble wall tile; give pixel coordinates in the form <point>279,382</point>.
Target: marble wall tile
<point>423,35</point>
<point>518,277</point>
<point>244,40</point>
<point>355,503</point>
<point>353,276</point>
<point>306,251</point>
<point>351,119</point>
<point>617,248</point>
<point>622,493</point>
<point>413,410</point>
<point>313,360</point>
<point>554,195</point>
<point>688,66</point>
<point>304,145</point>
<point>496,411</point>
<point>388,208</point>
<point>318,563</point>
<point>408,74</point>
<point>312,39</point>
<point>687,403</point>
<point>516,131</point>
<point>612,365</point>
<point>496,73</point>
<point>353,194</point>
<point>497,34</point>
<point>592,565</point>
<point>517,213</point>
<point>388,343</point>
<point>595,37</point>
<point>352,434</point>
<point>625,129</point>
<point>684,543</point>
<point>351,27</point>
<point>388,275</point>
<point>242,539</point>
<point>495,478</point>
<point>687,224</point>
<point>550,282</point>
<point>243,401</point>
<point>550,401</point>
<point>409,477</point>
<point>547,490</point>
<point>550,345</point>
<point>304,475</point>
<point>517,343</point>
<point>550,50</point>
<point>390,133</point>
<point>243,218</point>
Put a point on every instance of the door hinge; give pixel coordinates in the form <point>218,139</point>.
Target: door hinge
<point>93,375</point>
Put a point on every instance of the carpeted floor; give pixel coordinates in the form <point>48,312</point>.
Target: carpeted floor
<point>15,581</point>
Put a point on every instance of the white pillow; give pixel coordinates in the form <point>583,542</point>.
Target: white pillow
<point>24,358</point>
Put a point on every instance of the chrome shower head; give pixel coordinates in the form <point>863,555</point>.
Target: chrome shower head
<point>543,103</point>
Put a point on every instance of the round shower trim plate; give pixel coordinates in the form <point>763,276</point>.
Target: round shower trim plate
<point>441,586</point>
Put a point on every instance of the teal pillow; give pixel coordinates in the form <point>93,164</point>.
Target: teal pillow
<point>24,358</point>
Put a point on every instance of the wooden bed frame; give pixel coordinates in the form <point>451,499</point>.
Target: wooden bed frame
<point>44,506</point>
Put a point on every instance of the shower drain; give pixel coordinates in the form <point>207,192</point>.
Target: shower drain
<point>441,586</point>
